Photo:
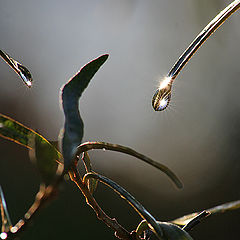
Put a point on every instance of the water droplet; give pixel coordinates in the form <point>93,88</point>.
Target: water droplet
<point>104,149</point>
<point>3,235</point>
<point>162,96</point>
<point>66,177</point>
<point>14,229</point>
<point>22,71</point>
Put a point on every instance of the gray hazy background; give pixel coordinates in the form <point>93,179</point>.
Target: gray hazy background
<point>197,137</point>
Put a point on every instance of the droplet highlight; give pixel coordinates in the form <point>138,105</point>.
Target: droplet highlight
<point>162,96</point>
<point>3,235</point>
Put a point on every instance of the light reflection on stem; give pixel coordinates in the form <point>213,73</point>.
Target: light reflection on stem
<point>164,93</point>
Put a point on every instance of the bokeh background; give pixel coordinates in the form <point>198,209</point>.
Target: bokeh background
<point>197,137</point>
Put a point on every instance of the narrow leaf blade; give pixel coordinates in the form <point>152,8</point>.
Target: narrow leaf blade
<point>47,155</point>
<point>71,92</point>
<point>46,158</point>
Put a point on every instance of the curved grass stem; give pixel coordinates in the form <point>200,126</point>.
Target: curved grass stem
<point>162,96</point>
<point>120,232</point>
<point>119,148</point>
<point>130,199</point>
<point>202,37</point>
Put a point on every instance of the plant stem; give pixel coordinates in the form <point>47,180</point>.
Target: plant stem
<point>44,196</point>
<point>162,96</point>
<point>84,147</point>
<point>130,199</point>
<point>202,37</point>
<point>120,232</point>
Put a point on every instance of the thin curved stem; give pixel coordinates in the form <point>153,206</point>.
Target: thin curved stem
<point>120,232</point>
<point>162,96</point>
<point>130,199</point>
<point>202,37</point>
<point>44,196</point>
<point>118,148</point>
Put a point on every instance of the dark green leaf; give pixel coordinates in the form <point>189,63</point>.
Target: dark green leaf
<point>46,158</point>
<point>46,154</point>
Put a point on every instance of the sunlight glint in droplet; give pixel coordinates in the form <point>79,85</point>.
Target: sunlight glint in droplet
<point>3,235</point>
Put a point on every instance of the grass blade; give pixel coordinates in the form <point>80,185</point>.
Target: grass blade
<point>14,131</point>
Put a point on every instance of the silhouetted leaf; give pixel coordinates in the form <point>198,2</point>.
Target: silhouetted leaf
<point>173,232</point>
<point>71,92</point>
<point>170,231</point>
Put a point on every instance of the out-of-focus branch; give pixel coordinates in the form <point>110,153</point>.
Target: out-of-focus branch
<point>215,210</point>
<point>44,196</point>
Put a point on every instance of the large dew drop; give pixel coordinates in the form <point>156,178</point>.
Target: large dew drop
<point>162,96</point>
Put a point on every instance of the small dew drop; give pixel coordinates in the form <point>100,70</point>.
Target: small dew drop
<point>104,149</point>
<point>29,84</point>
<point>3,235</point>
<point>14,229</point>
<point>66,177</point>
<point>27,79</point>
<point>27,215</point>
<point>163,104</point>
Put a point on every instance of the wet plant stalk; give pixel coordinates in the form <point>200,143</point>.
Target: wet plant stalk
<point>162,96</point>
<point>87,146</point>
<point>21,70</point>
<point>120,232</point>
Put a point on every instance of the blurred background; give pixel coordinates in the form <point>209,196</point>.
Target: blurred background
<point>197,136</point>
